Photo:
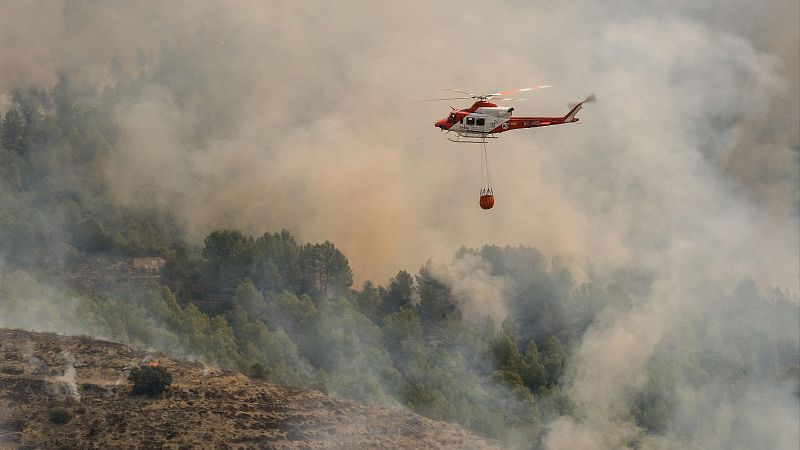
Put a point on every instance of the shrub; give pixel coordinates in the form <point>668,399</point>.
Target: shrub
<point>60,415</point>
<point>150,381</point>
<point>259,372</point>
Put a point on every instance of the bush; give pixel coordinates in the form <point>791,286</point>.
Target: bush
<point>259,372</point>
<point>60,415</point>
<point>150,381</point>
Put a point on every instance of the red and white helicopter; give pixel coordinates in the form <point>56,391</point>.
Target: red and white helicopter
<point>484,120</point>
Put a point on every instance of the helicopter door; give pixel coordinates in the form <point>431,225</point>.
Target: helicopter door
<point>469,123</point>
<point>475,124</point>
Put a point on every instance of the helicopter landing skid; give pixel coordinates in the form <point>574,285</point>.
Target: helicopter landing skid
<point>472,138</point>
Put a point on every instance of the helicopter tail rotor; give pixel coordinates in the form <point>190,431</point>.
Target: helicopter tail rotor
<point>590,99</point>
<point>575,107</point>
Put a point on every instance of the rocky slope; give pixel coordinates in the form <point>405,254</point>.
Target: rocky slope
<point>204,408</point>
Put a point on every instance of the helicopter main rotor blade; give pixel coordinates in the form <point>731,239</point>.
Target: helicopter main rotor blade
<point>508,99</point>
<point>504,94</point>
<point>471,94</point>
<point>442,99</point>
<point>514,91</point>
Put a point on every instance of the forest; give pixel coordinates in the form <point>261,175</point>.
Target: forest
<point>287,311</point>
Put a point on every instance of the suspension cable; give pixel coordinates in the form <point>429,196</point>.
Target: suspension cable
<point>485,168</point>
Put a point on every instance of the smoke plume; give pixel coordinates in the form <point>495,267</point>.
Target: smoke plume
<point>314,130</point>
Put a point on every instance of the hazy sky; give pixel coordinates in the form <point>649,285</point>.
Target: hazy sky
<point>694,140</point>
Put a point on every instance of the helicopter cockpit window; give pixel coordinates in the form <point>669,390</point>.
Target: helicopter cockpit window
<point>452,118</point>
<point>470,121</point>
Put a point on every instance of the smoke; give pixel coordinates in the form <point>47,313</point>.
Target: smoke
<point>704,362</point>
<point>132,315</point>
<point>28,304</point>
<point>64,385</point>
<point>475,290</point>
<point>686,168</point>
<point>314,130</point>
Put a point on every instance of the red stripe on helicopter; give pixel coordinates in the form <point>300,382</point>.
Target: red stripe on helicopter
<point>517,123</point>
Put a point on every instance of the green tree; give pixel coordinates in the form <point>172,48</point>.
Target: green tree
<point>554,359</point>
<point>368,301</point>
<point>435,303</point>
<point>227,259</point>
<point>351,351</point>
<point>402,333</point>
<point>505,352</point>
<point>277,263</point>
<point>250,299</point>
<point>509,378</point>
<point>531,370</point>
<point>14,131</point>
<point>399,294</point>
<point>326,272</point>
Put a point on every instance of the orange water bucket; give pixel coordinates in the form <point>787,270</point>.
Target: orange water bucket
<point>487,201</point>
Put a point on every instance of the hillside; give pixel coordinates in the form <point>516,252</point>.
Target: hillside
<point>205,407</point>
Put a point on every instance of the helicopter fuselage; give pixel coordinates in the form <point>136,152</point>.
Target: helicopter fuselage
<point>484,118</point>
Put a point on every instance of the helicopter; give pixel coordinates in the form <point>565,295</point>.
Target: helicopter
<point>485,120</point>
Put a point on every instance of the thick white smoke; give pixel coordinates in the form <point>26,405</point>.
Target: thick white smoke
<point>312,128</point>
<point>475,290</point>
